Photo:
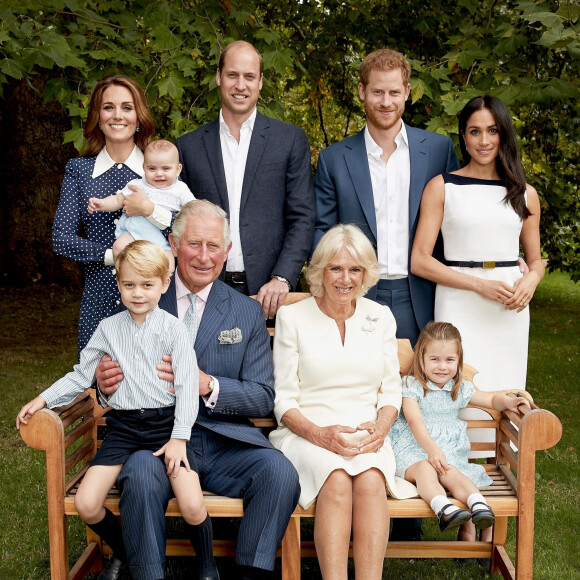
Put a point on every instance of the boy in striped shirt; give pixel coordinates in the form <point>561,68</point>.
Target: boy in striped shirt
<point>144,415</point>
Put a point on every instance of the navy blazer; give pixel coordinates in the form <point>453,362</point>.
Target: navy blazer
<point>244,370</point>
<point>277,204</point>
<point>344,194</point>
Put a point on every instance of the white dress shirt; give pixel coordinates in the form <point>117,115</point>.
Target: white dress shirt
<point>183,302</point>
<point>235,155</point>
<point>390,183</point>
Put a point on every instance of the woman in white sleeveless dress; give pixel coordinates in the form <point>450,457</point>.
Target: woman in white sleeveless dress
<point>485,211</point>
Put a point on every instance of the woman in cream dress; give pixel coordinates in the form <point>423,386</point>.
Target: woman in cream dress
<point>338,391</point>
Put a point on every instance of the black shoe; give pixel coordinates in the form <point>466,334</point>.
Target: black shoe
<point>482,518</point>
<point>113,570</point>
<point>452,520</point>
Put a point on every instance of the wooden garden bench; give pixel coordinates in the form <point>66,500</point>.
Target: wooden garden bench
<point>71,435</point>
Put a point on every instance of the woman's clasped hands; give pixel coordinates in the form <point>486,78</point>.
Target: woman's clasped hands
<point>368,437</point>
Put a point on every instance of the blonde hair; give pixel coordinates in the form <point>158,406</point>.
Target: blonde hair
<point>146,258</point>
<point>199,207</point>
<point>343,237</point>
<point>436,331</point>
<point>384,60</point>
<point>162,146</point>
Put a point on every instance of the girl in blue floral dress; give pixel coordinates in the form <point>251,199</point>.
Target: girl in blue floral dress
<point>430,441</point>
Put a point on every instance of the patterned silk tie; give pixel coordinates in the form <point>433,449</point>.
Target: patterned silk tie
<point>190,319</point>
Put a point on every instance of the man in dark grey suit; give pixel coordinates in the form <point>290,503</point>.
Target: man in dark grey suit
<point>236,381</point>
<point>258,170</point>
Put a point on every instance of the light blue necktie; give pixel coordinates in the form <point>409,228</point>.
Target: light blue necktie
<point>190,319</point>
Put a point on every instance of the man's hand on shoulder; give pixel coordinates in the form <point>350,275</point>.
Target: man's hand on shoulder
<point>271,296</point>
<point>108,375</point>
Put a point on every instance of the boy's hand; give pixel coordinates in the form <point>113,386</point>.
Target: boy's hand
<point>28,410</point>
<point>175,453</point>
<point>94,204</point>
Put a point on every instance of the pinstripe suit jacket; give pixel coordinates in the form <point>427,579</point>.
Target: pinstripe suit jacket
<point>244,370</point>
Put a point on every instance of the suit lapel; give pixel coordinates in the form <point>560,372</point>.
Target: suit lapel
<point>213,316</point>
<point>355,157</point>
<point>258,142</point>
<point>211,140</point>
<point>419,156</point>
<point>168,301</point>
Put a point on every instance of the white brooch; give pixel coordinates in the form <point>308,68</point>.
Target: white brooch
<point>369,325</point>
<point>230,336</point>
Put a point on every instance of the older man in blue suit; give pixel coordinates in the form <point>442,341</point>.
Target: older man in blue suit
<point>376,178</point>
<point>258,170</point>
<point>236,382</point>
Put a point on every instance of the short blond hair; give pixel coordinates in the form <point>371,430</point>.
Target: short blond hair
<point>384,60</point>
<point>146,258</point>
<point>162,146</point>
<point>343,237</point>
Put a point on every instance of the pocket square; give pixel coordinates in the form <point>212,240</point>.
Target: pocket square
<point>230,336</point>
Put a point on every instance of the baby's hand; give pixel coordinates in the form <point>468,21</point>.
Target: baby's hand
<point>439,462</point>
<point>94,204</point>
<point>28,410</point>
<point>175,453</point>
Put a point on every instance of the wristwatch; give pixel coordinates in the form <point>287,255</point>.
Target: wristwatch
<point>210,385</point>
<point>282,279</point>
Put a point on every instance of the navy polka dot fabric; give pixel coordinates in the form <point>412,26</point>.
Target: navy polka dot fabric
<point>83,237</point>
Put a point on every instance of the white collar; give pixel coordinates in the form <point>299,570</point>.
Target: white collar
<point>182,290</point>
<point>134,162</point>
<point>249,122</point>
<point>375,150</point>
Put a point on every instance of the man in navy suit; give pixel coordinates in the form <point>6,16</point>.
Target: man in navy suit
<point>376,178</point>
<point>258,170</point>
<point>236,381</point>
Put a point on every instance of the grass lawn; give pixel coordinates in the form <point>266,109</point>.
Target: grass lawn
<point>38,345</point>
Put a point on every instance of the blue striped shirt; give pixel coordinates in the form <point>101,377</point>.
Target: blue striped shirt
<point>138,349</point>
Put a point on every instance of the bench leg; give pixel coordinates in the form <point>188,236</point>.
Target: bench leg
<point>498,539</point>
<point>291,551</point>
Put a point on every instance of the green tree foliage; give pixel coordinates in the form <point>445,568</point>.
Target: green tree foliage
<point>527,53</point>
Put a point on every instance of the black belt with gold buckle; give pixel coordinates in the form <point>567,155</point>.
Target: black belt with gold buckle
<point>486,265</point>
<point>236,277</point>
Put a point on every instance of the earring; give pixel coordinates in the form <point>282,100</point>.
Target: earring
<point>100,127</point>
<point>138,129</point>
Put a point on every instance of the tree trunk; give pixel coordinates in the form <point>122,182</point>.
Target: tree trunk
<point>32,164</point>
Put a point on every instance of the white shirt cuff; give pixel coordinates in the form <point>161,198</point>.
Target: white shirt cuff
<point>211,401</point>
<point>109,260</point>
<point>160,217</point>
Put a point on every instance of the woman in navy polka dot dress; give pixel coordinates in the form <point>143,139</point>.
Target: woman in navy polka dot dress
<point>118,128</point>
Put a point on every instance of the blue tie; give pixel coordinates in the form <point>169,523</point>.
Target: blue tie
<point>190,319</point>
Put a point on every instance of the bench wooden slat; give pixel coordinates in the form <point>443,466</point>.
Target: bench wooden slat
<point>512,494</point>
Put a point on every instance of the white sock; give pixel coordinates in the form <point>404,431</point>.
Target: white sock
<point>473,498</point>
<point>439,501</point>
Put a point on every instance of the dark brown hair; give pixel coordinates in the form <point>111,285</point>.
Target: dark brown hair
<point>508,162</point>
<point>435,331</point>
<point>94,135</point>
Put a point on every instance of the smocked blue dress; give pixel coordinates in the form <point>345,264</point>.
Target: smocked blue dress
<point>96,235</point>
<point>439,413</point>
